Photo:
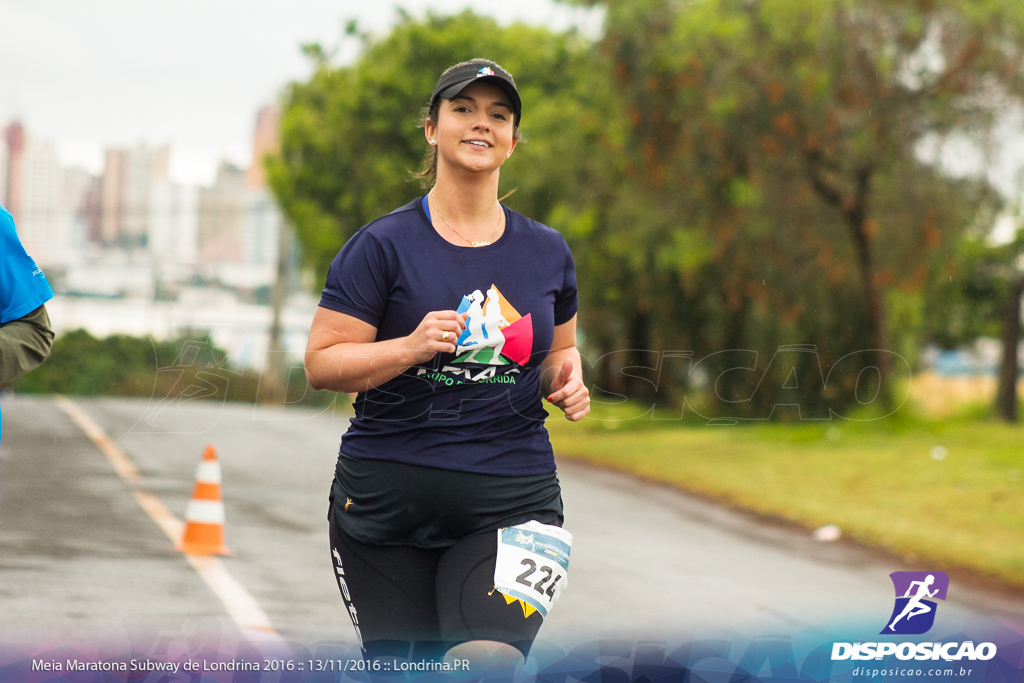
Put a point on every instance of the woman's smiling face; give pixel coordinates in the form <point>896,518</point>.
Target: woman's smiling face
<point>474,129</point>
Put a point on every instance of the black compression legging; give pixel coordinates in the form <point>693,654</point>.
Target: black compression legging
<point>418,602</point>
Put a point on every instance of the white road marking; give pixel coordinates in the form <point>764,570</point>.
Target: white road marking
<point>250,618</point>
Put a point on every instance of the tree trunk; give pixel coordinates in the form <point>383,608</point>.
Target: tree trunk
<point>854,208</point>
<point>737,386</point>
<point>639,333</point>
<point>1006,396</point>
<point>878,333</point>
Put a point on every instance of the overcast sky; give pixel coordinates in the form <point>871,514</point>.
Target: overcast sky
<point>91,74</point>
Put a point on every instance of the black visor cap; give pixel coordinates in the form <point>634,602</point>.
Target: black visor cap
<point>452,83</point>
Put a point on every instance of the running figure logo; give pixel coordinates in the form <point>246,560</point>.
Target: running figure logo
<point>495,346</point>
<point>914,613</point>
<point>495,333</point>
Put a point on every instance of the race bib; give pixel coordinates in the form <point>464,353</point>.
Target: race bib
<point>533,563</point>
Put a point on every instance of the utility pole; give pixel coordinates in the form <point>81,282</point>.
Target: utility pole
<point>272,386</point>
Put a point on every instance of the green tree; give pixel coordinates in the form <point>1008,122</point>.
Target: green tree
<point>733,175</point>
<point>351,139</point>
<point>779,141</point>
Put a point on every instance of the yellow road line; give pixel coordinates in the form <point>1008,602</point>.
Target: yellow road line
<point>123,465</point>
<point>250,618</point>
<point>171,525</point>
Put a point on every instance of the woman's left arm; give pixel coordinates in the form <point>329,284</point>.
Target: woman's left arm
<point>561,377</point>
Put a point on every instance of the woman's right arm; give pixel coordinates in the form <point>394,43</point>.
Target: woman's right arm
<point>342,354</point>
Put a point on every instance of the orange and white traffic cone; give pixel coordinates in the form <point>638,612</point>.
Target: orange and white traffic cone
<point>204,517</point>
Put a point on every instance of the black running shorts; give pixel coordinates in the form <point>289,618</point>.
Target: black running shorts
<point>414,551</point>
<point>419,602</point>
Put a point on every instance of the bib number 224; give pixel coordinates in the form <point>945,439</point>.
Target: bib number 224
<point>533,563</point>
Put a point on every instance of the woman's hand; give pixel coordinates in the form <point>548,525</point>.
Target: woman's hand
<point>570,393</point>
<point>436,333</point>
<point>342,353</point>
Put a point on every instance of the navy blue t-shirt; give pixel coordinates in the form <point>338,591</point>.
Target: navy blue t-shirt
<point>479,409</point>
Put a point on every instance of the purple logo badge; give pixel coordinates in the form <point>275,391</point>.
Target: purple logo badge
<point>916,592</point>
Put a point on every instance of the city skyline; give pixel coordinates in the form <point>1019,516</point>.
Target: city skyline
<point>132,211</point>
<point>130,251</point>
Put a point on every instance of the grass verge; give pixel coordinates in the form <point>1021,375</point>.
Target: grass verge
<point>946,494</point>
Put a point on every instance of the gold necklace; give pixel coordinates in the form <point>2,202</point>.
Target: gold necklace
<point>483,243</point>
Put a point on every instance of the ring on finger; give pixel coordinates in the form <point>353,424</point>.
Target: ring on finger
<point>444,336</point>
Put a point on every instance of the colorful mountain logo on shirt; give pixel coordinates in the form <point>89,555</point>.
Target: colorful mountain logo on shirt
<point>495,334</point>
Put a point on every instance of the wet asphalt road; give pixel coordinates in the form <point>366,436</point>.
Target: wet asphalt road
<point>80,560</point>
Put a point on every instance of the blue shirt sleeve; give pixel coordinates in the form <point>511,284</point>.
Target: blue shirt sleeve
<point>23,287</point>
<point>358,281</point>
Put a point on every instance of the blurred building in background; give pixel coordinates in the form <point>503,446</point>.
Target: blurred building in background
<point>221,214</point>
<point>128,179</point>
<point>134,215</point>
<point>263,220</point>
<point>265,140</point>
<point>45,226</point>
<point>173,229</point>
<point>3,166</point>
<point>13,168</point>
<point>83,202</point>
<point>131,251</point>
<point>45,199</point>
<point>239,220</point>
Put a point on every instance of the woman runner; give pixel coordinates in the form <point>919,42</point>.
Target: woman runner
<point>447,448</point>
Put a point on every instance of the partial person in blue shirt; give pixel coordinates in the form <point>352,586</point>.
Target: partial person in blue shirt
<point>25,334</point>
